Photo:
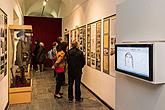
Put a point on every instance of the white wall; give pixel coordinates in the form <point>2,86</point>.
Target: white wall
<point>7,7</point>
<point>139,20</point>
<point>89,11</point>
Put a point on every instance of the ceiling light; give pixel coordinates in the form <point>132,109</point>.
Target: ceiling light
<point>44,3</point>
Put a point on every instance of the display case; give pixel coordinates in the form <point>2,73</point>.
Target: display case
<point>20,81</point>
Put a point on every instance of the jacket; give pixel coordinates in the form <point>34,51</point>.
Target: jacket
<point>76,61</point>
<point>20,53</point>
<point>60,60</point>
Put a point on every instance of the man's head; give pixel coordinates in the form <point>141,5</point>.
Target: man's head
<point>74,43</point>
<point>59,40</point>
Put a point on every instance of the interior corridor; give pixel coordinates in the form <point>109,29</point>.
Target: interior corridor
<point>43,98</point>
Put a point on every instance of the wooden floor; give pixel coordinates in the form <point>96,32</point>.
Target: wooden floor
<point>43,99</point>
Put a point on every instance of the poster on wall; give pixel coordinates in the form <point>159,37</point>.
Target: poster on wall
<point>3,44</point>
<point>98,45</point>
<point>89,45</point>
<point>93,45</point>
<point>73,35</point>
<point>82,39</point>
<point>106,46</point>
<point>77,35</point>
<point>112,44</point>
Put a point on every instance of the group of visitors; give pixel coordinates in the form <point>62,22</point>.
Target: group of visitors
<point>62,58</point>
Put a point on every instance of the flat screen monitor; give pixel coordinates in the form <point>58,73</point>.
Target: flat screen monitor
<point>135,60</point>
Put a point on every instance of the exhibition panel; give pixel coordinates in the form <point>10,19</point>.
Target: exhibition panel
<point>82,39</point>
<point>106,29</point>
<point>73,35</point>
<point>89,45</point>
<point>3,44</point>
<point>112,45</point>
<point>109,41</point>
<point>98,45</point>
<point>93,45</point>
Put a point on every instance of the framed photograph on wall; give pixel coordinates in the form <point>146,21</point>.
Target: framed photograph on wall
<point>89,44</point>
<point>93,45</point>
<point>98,45</point>
<point>106,27</point>
<point>82,39</point>
<point>112,44</point>
<point>109,41</point>
<point>73,35</point>
<point>3,44</point>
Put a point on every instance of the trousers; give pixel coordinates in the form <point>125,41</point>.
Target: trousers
<point>71,79</point>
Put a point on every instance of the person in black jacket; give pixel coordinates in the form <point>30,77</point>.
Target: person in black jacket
<point>35,53</point>
<point>76,62</point>
<point>41,56</point>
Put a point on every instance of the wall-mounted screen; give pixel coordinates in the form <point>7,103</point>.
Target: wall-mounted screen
<point>135,60</point>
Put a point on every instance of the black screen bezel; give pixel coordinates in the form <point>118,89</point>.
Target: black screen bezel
<point>150,46</point>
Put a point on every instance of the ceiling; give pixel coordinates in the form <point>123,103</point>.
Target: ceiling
<point>35,7</point>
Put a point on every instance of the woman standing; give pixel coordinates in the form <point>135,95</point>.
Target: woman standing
<point>59,69</point>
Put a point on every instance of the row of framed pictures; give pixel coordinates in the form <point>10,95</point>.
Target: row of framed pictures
<point>90,39</point>
<point>3,44</point>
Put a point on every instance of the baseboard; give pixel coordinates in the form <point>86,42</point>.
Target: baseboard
<point>110,108</point>
<point>7,105</point>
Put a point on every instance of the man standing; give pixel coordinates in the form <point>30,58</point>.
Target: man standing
<point>76,62</point>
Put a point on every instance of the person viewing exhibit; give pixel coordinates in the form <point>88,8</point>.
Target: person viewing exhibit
<point>76,62</point>
<point>41,57</point>
<point>59,67</point>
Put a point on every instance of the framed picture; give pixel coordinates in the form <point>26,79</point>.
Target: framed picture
<point>112,44</point>
<point>106,46</point>
<point>82,39</point>
<point>89,44</point>
<point>3,44</point>
<point>98,45</point>
<point>109,41</point>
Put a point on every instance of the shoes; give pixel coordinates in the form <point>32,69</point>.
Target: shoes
<point>58,96</point>
<point>37,71</point>
<point>79,100</point>
<point>60,93</point>
<point>70,101</point>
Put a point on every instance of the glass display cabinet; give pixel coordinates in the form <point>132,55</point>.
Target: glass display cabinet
<point>19,60</point>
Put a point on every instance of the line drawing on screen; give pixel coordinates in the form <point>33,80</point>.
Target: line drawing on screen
<point>135,60</point>
<point>129,60</point>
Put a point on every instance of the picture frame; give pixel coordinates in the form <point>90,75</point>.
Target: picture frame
<point>106,46</point>
<point>3,44</point>
<point>98,45</point>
